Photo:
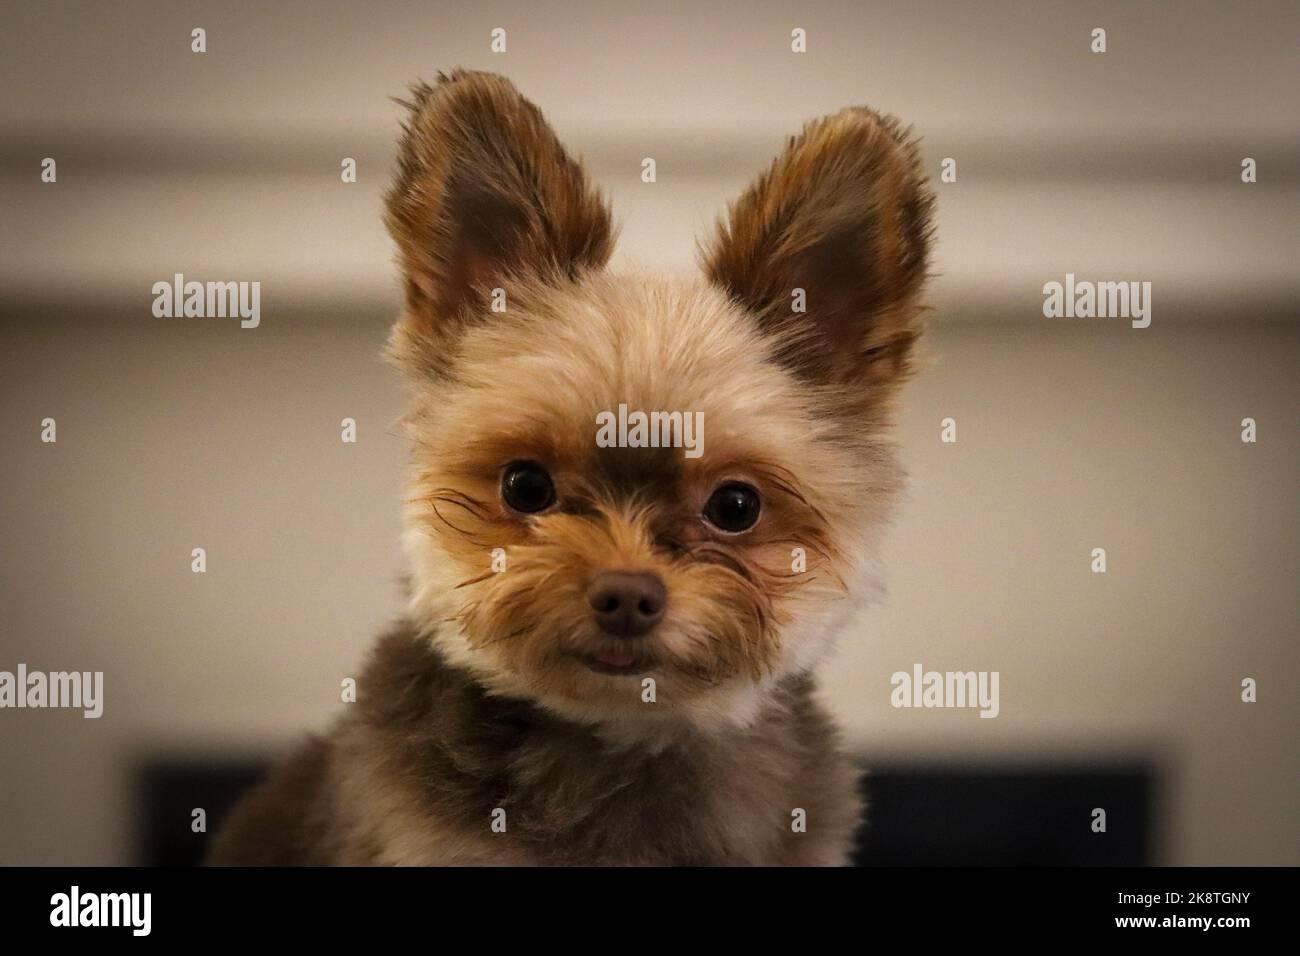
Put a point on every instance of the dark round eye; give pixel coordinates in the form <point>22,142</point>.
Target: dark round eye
<point>527,487</point>
<point>733,507</point>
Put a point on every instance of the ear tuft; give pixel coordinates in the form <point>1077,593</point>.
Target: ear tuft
<point>843,214</point>
<point>484,193</point>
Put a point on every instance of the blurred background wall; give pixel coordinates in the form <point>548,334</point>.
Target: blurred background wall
<point>1073,433</point>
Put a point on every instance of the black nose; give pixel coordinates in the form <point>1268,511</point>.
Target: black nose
<point>627,604</point>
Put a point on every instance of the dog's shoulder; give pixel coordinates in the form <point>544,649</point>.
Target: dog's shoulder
<point>285,820</point>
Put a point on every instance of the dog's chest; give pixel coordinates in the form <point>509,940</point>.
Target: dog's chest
<point>697,803</point>
<point>555,803</point>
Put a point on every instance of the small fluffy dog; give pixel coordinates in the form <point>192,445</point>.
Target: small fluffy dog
<point>610,643</point>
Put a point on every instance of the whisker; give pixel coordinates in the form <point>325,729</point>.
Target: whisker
<point>480,578</point>
<point>505,637</point>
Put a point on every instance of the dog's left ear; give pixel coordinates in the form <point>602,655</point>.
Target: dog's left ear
<point>484,193</point>
<point>843,215</point>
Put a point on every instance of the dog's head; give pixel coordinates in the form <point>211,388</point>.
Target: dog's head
<point>622,478</point>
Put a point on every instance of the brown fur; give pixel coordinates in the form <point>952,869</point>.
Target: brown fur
<point>486,701</point>
<point>844,214</point>
<point>482,182</point>
<point>427,755</point>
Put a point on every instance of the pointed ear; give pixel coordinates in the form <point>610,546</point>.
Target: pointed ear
<point>484,192</point>
<point>844,215</point>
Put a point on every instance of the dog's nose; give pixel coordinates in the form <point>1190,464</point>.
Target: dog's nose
<point>627,604</point>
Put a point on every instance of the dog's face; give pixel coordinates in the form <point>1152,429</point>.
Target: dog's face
<point>565,554</point>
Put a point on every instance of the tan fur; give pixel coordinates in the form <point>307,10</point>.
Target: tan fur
<point>485,700</point>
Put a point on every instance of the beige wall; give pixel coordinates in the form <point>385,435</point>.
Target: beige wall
<point>1072,435</point>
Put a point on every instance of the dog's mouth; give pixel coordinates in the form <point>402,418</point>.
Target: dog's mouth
<point>615,662</point>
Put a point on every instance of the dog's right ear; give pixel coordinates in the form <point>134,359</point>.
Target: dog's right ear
<point>484,192</point>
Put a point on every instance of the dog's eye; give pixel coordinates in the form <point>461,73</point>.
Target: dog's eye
<point>733,507</point>
<point>527,487</point>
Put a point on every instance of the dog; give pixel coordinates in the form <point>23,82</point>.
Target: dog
<point>609,648</point>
